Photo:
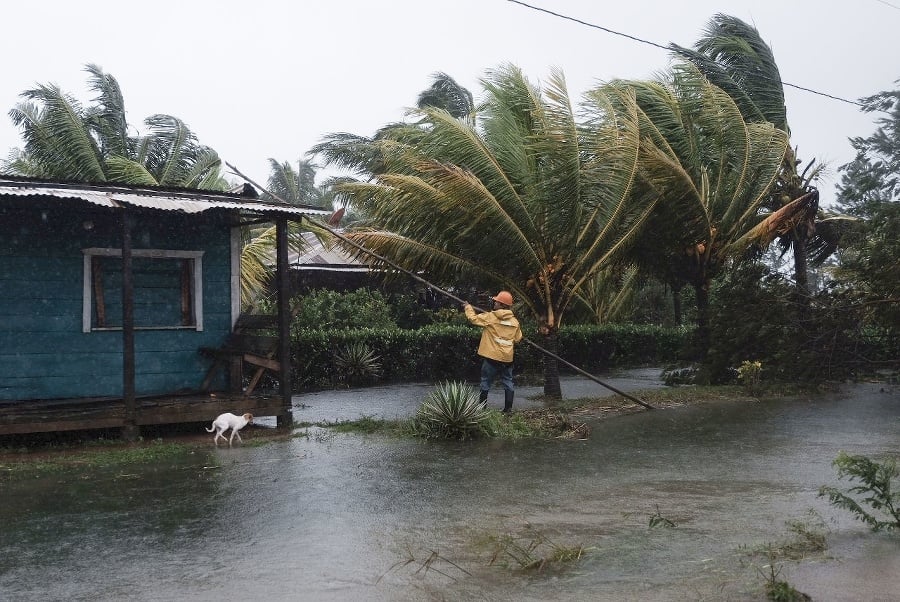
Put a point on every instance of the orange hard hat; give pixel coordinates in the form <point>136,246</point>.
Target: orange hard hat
<point>504,297</point>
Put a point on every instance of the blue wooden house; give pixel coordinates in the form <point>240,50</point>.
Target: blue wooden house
<point>108,295</point>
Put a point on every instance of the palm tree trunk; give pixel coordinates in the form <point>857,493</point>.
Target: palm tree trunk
<point>676,303</point>
<point>801,272</point>
<point>552,388</point>
<point>703,338</point>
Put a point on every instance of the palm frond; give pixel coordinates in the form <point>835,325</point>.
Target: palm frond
<point>107,117</point>
<point>445,93</point>
<point>778,223</point>
<point>170,149</point>
<point>740,51</point>
<point>258,256</point>
<point>127,171</point>
<point>57,137</point>
<point>831,229</point>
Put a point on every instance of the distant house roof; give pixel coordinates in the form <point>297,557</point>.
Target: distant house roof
<point>316,256</point>
<point>119,196</point>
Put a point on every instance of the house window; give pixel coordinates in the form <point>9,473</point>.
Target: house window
<point>168,291</point>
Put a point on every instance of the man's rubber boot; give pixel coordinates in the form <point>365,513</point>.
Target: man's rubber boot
<point>508,401</point>
<point>482,398</point>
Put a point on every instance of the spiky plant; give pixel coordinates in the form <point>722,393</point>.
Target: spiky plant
<point>357,363</point>
<point>451,411</point>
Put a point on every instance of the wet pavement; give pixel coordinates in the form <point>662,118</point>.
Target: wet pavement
<point>401,401</point>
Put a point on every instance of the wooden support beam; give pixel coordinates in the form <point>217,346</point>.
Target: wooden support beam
<point>283,283</point>
<point>129,429</point>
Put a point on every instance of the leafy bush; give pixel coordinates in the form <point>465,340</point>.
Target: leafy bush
<point>428,354</point>
<point>451,411</point>
<point>755,313</point>
<point>328,310</point>
<point>875,485</point>
<point>749,374</point>
<point>448,352</point>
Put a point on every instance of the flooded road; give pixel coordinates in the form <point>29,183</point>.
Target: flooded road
<point>353,517</point>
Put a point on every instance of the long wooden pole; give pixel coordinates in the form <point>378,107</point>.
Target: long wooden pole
<point>437,289</point>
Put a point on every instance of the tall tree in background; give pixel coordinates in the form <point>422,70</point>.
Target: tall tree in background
<point>445,93</point>
<point>66,141</point>
<point>711,169</point>
<point>870,190</point>
<point>290,185</point>
<point>296,186</point>
<point>362,155</point>
<point>733,56</point>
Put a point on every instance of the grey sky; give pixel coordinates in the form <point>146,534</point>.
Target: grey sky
<point>269,78</point>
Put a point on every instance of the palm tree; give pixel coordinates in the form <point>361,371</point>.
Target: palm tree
<point>529,200</point>
<point>66,141</point>
<point>285,184</point>
<point>361,155</point>
<point>733,56</point>
<point>445,93</point>
<point>712,169</point>
<point>296,186</point>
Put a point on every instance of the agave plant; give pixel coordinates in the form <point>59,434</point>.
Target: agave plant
<point>356,363</point>
<point>451,411</point>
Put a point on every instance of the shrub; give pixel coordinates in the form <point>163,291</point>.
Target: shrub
<point>451,411</point>
<point>448,352</point>
<point>749,374</point>
<point>356,364</point>
<point>328,310</point>
<point>875,485</point>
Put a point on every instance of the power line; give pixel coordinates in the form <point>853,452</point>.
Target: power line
<point>889,4</point>
<point>595,26</point>
<point>669,49</point>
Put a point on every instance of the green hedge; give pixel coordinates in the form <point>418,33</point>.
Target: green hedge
<point>447,352</point>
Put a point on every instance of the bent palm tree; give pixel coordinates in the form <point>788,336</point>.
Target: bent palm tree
<point>529,200</point>
<point>712,169</point>
<point>285,184</point>
<point>295,186</point>
<point>733,56</point>
<point>65,141</point>
<point>445,93</point>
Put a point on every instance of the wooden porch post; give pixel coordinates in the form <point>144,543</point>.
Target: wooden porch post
<point>129,429</point>
<point>283,283</point>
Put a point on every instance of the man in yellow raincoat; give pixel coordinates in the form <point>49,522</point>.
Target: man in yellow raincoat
<point>500,332</point>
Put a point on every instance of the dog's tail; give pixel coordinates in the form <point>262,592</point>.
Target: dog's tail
<point>209,430</point>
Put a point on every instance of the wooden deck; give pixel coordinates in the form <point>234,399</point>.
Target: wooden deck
<point>48,415</point>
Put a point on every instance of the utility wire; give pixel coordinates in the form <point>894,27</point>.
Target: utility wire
<point>888,4</point>
<point>669,49</point>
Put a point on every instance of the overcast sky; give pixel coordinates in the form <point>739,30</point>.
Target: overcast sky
<point>256,79</point>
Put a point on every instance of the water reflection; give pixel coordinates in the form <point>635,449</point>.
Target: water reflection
<point>349,516</point>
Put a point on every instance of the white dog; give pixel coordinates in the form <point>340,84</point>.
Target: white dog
<point>226,421</point>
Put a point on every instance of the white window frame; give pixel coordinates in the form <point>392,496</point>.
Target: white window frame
<point>88,290</point>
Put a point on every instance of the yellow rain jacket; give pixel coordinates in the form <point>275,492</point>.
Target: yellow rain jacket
<point>500,332</point>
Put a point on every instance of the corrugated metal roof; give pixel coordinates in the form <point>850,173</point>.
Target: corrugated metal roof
<point>316,256</point>
<point>185,202</point>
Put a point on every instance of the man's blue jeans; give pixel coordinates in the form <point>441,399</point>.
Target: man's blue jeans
<point>489,371</point>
